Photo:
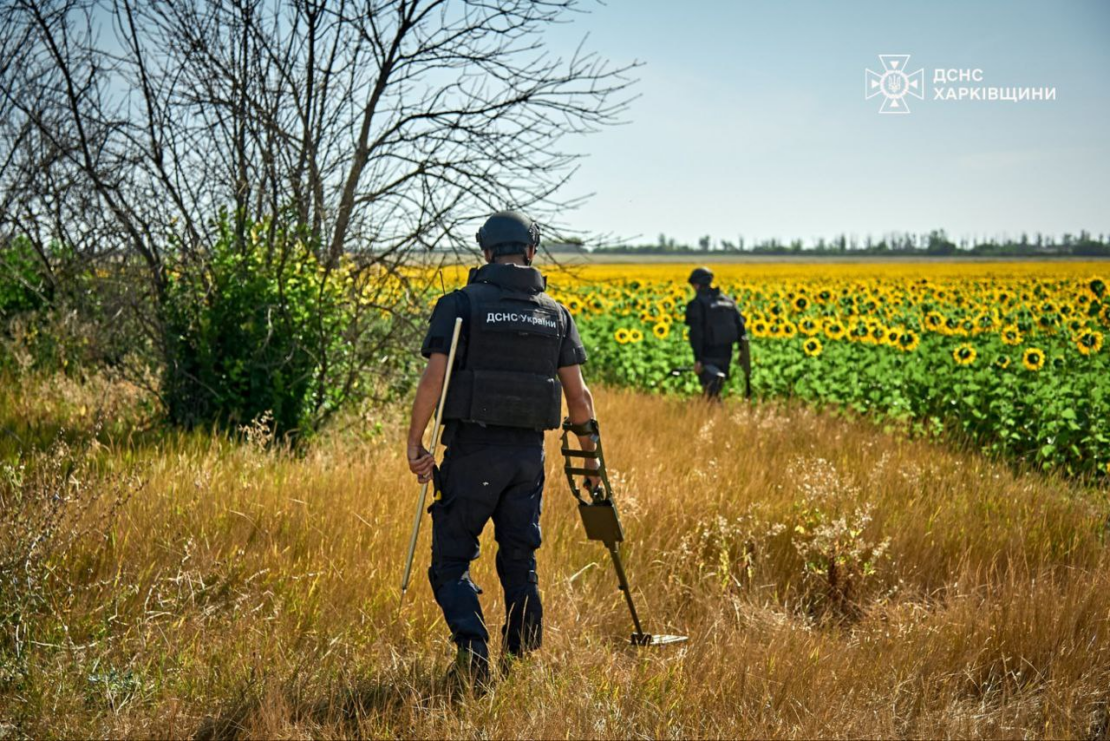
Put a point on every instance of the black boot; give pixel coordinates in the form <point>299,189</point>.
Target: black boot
<point>470,672</point>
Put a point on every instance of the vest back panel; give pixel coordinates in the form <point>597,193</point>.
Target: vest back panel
<point>509,374</point>
<point>720,319</point>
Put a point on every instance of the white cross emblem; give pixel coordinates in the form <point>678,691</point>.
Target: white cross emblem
<point>894,83</point>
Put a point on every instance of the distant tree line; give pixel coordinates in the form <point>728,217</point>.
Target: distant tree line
<point>935,242</point>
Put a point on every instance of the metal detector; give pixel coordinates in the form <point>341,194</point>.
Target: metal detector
<point>599,516</point>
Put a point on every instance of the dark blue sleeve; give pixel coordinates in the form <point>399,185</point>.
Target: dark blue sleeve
<point>695,320</point>
<point>441,326</point>
<point>572,351</point>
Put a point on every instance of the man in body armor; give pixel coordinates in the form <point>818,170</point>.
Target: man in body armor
<point>519,353</point>
<point>715,326</point>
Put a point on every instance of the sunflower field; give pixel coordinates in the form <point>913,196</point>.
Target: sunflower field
<point>1011,356</point>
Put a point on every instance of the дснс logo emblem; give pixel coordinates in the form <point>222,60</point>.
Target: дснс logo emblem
<point>894,83</point>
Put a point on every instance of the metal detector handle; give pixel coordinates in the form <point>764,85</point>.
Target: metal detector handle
<point>436,428</point>
<point>603,491</point>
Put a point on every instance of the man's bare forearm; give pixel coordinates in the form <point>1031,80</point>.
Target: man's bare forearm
<point>580,409</point>
<point>427,396</point>
<point>580,402</point>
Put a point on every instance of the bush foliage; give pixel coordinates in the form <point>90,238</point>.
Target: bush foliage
<point>251,328</point>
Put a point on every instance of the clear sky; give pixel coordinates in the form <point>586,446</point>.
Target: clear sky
<point>752,121</point>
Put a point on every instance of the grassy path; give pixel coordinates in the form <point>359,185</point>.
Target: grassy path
<point>834,581</point>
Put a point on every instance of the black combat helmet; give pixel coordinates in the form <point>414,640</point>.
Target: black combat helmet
<point>508,233</point>
<point>701,276</point>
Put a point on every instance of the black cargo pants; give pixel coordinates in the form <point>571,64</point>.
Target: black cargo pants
<point>476,483</point>
<point>711,383</point>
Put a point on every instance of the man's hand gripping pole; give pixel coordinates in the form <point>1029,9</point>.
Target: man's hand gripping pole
<point>436,428</point>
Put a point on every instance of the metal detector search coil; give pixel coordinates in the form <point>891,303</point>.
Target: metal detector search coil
<point>599,517</point>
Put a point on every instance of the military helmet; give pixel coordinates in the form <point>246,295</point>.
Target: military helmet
<point>508,232</point>
<point>701,276</point>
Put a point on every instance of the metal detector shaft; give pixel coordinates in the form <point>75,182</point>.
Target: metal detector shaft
<point>622,580</point>
<point>436,428</point>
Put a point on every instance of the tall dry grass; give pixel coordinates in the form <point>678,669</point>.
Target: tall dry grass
<point>834,581</point>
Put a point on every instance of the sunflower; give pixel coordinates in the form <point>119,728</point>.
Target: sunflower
<point>801,303</point>
<point>621,336</point>
<point>908,341</point>
<point>759,328</point>
<point>1089,341</point>
<point>789,330</point>
<point>964,354</point>
<point>892,336</point>
<point>1033,358</point>
<point>574,306</point>
<point>635,335</point>
<point>934,320</point>
<point>860,332</point>
<point>1002,362</point>
<point>1097,286</point>
<point>812,347</point>
<point>834,330</point>
<point>661,330</point>
<point>1048,321</point>
<point>808,327</point>
<point>1011,335</point>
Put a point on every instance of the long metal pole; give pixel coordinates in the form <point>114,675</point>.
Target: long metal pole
<point>435,444</point>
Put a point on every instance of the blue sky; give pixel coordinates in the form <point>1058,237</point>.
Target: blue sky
<point>751,120</point>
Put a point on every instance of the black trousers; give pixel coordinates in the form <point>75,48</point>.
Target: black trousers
<point>711,383</point>
<point>478,483</point>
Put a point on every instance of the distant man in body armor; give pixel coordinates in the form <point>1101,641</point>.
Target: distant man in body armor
<point>519,353</point>
<point>715,326</point>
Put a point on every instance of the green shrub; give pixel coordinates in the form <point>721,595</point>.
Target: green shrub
<point>24,285</point>
<point>255,327</point>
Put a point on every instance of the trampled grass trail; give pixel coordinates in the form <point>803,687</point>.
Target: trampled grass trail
<point>834,581</point>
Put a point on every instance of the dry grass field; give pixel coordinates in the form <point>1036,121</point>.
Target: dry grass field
<point>834,581</point>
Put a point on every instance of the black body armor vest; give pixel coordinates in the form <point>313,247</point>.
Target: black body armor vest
<point>509,369</point>
<point>720,317</point>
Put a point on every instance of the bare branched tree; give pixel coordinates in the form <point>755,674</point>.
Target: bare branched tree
<point>381,128</point>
